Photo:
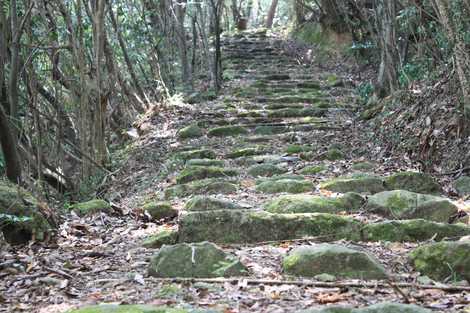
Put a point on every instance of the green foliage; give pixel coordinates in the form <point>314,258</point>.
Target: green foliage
<point>413,71</point>
<point>364,91</point>
<point>6,219</point>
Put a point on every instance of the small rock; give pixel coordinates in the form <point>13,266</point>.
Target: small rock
<point>163,237</point>
<point>325,277</point>
<point>197,260</point>
<point>91,207</point>
<point>337,260</point>
<point>191,131</point>
<point>160,210</point>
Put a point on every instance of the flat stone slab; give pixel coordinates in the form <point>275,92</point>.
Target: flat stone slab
<point>462,185</point>
<point>227,131</point>
<point>205,203</point>
<point>350,202</point>
<point>333,259</point>
<point>386,307</point>
<point>402,204</point>
<point>357,183</point>
<point>196,154</point>
<point>205,162</point>
<point>443,260</point>
<point>412,230</point>
<point>162,237</point>
<point>199,187</point>
<point>245,226</point>
<point>412,181</point>
<point>285,185</point>
<point>265,170</point>
<point>197,260</point>
<point>193,173</point>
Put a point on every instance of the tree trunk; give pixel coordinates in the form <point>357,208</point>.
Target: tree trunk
<point>9,147</point>
<point>387,81</point>
<point>271,14</point>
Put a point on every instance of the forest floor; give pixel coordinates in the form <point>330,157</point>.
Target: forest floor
<point>275,117</point>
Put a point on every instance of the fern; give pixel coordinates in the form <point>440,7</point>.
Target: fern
<point>6,219</point>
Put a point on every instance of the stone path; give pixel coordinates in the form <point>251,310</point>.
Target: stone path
<point>257,197</point>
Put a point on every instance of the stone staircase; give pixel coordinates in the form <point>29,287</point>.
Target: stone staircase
<point>263,205</point>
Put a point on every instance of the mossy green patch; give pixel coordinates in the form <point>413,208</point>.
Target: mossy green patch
<point>462,185</point>
<point>20,217</point>
<point>196,154</point>
<point>295,112</point>
<point>198,260</point>
<point>360,184</point>
<point>402,204</point>
<point>265,170</point>
<point>412,230</point>
<point>162,237</point>
<point>206,186</point>
<point>227,131</point>
<point>285,185</point>
<point>443,260</point>
<point>350,202</point>
<point>233,226</point>
<point>204,203</point>
<point>412,181</point>
<point>114,308</point>
<point>193,173</point>
<point>363,166</point>
<point>294,149</point>
<point>91,207</point>
<point>191,131</point>
<point>205,162</point>
<point>313,170</point>
<point>246,152</point>
<point>337,260</point>
<point>159,210</point>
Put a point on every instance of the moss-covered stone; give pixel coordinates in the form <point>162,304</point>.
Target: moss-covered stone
<point>386,307</point>
<point>196,154</point>
<point>350,202</point>
<point>206,186</point>
<point>360,184</point>
<point>91,207</point>
<point>462,185</point>
<point>205,162</point>
<point>191,131</point>
<point>20,217</point>
<point>162,237</point>
<point>337,260</point>
<point>227,131</point>
<point>285,185</point>
<point>412,230</point>
<point>159,210</point>
<point>313,170</point>
<point>294,149</point>
<point>363,166</point>
<point>198,260</point>
<point>280,177</point>
<point>402,204</point>
<point>412,181</point>
<point>443,260</point>
<point>126,308</point>
<point>265,170</point>
<point>204,203</point>
<point>202,172</point>
<point>334,154</point>
<point>232,226</point>
<point>246,152</point>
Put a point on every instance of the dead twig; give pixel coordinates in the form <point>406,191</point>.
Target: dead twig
<point>311,283</point>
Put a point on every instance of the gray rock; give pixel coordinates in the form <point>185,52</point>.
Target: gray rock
<point>198,260</point>
<point>412,181</point>
<point>462,185</point>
